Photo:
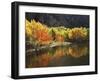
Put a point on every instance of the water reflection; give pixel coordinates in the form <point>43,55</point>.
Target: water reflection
<point>69,55</point>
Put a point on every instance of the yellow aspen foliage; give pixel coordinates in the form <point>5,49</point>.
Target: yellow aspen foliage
<point>77,33</point>
<point>43,34</point>
<point>28,28</point>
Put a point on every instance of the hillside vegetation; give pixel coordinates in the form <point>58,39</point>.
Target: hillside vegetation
<point>41,34</point>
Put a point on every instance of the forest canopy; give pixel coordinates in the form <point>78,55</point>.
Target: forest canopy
<point>42,34</point>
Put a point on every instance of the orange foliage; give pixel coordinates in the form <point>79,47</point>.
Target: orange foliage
<point>59,38</point>
<point>42,36</point>
<point>38,32</point>
<point>42,61</point>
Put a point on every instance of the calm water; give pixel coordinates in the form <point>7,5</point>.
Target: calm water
<point>68,55</point>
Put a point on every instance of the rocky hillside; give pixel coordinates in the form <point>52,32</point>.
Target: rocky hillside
<point>60,19</point>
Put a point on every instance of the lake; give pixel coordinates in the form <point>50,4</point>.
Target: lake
<point>74,54</point>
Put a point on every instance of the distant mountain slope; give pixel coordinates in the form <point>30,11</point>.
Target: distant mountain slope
<point>60,19</point>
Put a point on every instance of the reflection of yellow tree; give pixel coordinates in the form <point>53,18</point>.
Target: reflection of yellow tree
<point>43,59</point>
<point>59,52</point>
<point>77,51</point>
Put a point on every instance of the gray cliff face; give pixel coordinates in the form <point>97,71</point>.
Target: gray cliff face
<point>60,19</point>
